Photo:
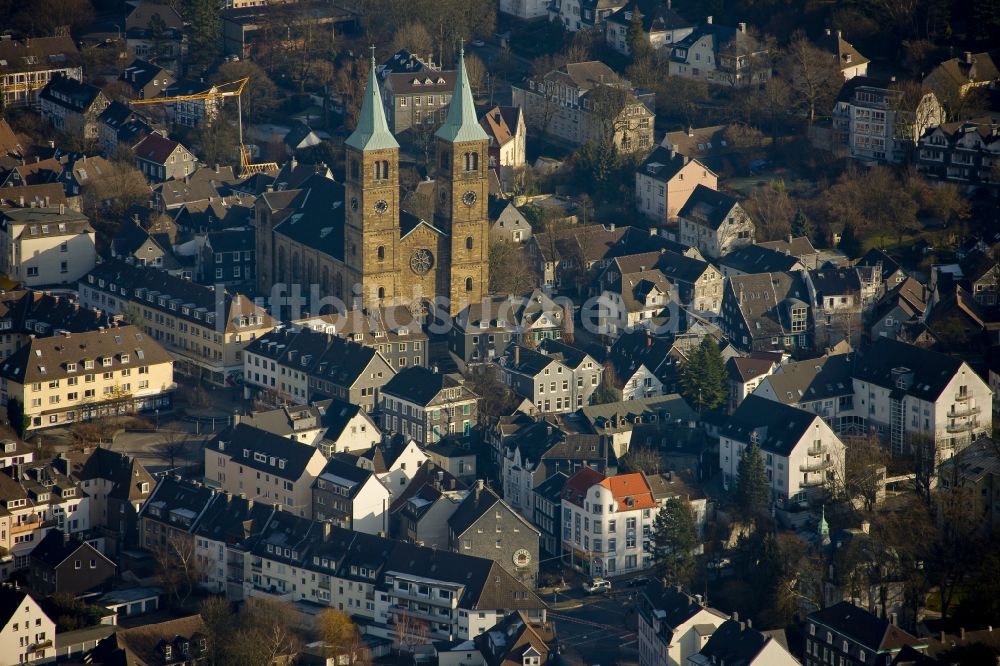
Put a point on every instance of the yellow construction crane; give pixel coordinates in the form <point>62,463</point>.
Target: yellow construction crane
<point>230,89</point>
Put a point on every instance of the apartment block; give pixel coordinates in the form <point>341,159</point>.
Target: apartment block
<point>46,246</point>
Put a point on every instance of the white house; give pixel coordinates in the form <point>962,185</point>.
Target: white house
<point>714,223</point>
<point>351,497</point>
<point>607,522</point>
<point>737,642</point>
<point>27,634</point>
<point>394,461</point>
<point>801,452</point>
<point>673,625</point>
<point>525,9</point>
<point>46,246</point>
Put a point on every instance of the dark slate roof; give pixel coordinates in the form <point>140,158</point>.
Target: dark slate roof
<point>931,371</point>
<point>318,217</point>
<point>745,368</point>
<point>734,643</point>
<point>707,206</point>
<point>344,473</point>
<point>800,246</point>
<point>862,627</point>
<point>656,17</point>
<point>835,281</point>
<point>11,599</point>
<point>779,427</point>
<point>637,348</point>
<point>478,503</point>
<point>975,265</point>
<point>55,548</point>
<point>765,300</point>
<point>529,361</point>
<point>675,607</point>
<point>232,240</point>
<point>236,440</point>
<point>177,502</point>
<point>876,257</point>
<point>126,474</point>
<point>70,93</point>
<point>563,351</point>
<point>233,519</point>
<point>552,487</point>
<point>140,73</point>
<point>419,385</point>
<point>662,164</point>
<point>752,259</point>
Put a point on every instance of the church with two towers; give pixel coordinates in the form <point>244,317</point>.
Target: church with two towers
<point>353,239</point>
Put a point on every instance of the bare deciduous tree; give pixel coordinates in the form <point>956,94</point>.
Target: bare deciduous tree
<point>178,566</point>
<point>812,73</point>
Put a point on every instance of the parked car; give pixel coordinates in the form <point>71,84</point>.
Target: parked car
<point>721,563</point>
<point>638,581</point>
<point>597,586</point>
<point>478,43</point>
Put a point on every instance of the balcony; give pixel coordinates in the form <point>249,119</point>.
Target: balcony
<point>966,410</point>
<point>815,466</point>
<point>813,482</point>
<point>820,450</point>
<point>971,424</point>
<point>962,397</point>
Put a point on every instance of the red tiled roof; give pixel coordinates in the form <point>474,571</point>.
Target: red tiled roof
<point>631,491</point>
<point>577,486</point>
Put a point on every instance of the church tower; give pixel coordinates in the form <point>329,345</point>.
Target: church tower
<point>462,188</point>
<point>371,196</point>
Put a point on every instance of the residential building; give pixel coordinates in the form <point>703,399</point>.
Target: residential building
<point>79,376</point>
<point>538,449</point>
<point>903,305</point>
<point>27,634</point>
<point>736,642</point>
<point>14,452</point>
<point>821,385</point>
<point>546,512</point>
<point>721,55</point>
<point>168,46</point>
<point>844,296</point>
<point>415,92</point>
<point>799,247</point>
<point>46,246</point>
<point>427,405</point>
<point>665,181</point>
<point>587,101</point>
<point>204,329</point>
<point>29,64</point>
<point>246,25</point>
<point>507,131</point>
<point>455,455</point>
<point>116,485</point>
<point>170,515</point>
<point>962,152</point>
<point>421,511</point>
<point>550,382</point>
<point>956,77</point>
<point>333,426</point>
<point>759,258</point>
<point>768,312</point>
<point>607,522</point>
<point>850,635</point>
<point>396,461</point>
<point>802,455</point>
<point>265,467</point>
<point>146,79</point>
<point>661,26</point>
<point>509,224</point>
<point>134,244</point>
<point>62,564</point>
<point>36,196</point>
<point>975,471</point>
<point>576,15</point>
<point>182,641</point>
<point>524,9</point>
<point>919,397</point>
<point>850,62</point>
<point>516,640</point>
<point>394,331</point>
<point>37,498</point>
<point>229,257</point>
<point>351,497</point>
<point>876,122</point>
<point>643,365</point>
<point>198,104</point>
<point>714,222</point>
<point>638,299</point>
<point>299,365</point>
<point>160,159</point>
<point>708,145</point>
<point>483,525</point>
<point>483,330</point>
<point>673,625</point>
<point>72,106</point>
<point>619,422</point>
<point>747,372</point>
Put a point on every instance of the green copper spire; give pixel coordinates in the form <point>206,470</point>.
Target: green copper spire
<point>461,123</point>
<point>372,132</point>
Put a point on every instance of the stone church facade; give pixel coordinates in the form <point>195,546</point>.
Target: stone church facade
<point>355,242</point>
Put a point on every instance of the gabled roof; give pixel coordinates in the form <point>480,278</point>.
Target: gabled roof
<point>745,368</point>
<point>57,547</point>
<point>874,633</point>
<point>835,281</point>
<point>422,386</point>
<point>778,427</point>
<point>630,491</point>
<point>927,372</point>
<point>552,487</point>
<point>765,298</point>
<point>759,259</point>
<point>372,131</point>
<point>477,504</point>
<point>576,487</point>
<point>800,246</point>
<point>70,93</point>
<point>656,17</point>
<point>156,148</point>
<point>975,68</point>
<point>342,473</point>
<point>126,474</point>
<point>820,378</point>
<point>501,123</point>
<point>847,56</point>
<point>876,257</point>
<point>11,599</point>
<point>708,207</point>
<point>734,643</point>
<point>663,164</point>
<point>263,451</point>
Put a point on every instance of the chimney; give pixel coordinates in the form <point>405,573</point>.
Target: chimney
<point>961,630</point>
<point>743,27</point>
<point>708,20</point>
<point>865,526</point>
<point>517,355</point>
<point>21,201</point>
<point>690,131</point>
<point>649,339</point>
<point>735,617</point>
<point>828,32</point>
<point>749,623</point>
<point>47,201</point>
<point>967,57</point>
<point>62,207</point>
<point>327,528</point>
<point>893,620</point>
<point>840,34</point>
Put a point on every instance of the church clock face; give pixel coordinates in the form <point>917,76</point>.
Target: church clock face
<point>381,207</point>
<point>522,558</point>
<point>421,261</point>
<point>469,198</point>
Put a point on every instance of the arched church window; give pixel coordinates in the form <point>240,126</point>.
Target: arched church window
<point>355,169</point>
<point>468,243</point>
<point>380,252</point>
<point>381,292</point>
<point>468,284</point>
<point>445,160</point>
